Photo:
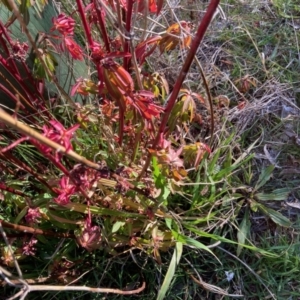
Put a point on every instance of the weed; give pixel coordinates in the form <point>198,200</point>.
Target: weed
<point>142,177</point>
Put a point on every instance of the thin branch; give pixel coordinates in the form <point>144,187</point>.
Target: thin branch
<point>102,26</point>
<point>86,26</point>
<point>37,52</point>
<point>48,288</point>
<point>21,127</point>
<point>26,288</point>
<point>128,29</point>
<point>4,187</point>
<point>213,288</point>
<point>12,159</point>
<point>184,70</point>
<point>31,230</point>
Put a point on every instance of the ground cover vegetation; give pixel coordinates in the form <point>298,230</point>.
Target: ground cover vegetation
<point>150,150</point>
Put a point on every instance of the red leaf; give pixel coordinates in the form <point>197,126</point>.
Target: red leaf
<point>140,50</point>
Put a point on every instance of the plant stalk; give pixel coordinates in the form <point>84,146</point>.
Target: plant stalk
<point>190,57</point>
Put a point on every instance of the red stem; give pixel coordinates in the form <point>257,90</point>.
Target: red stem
<point>3,31</point>
<point>125,64</point>
<point>14,144</point>
<point>102,27</point>
<point>213,5</point>
<point>4,187</point>
<point>9,157</point>
<point>128,28</point>
<point>190,57</point>
<point>11,95</point>
<point>31,230</point>
<point>84,22</point>
<point>87,30</point>
<point>60,166</point>
<point>23,91</point>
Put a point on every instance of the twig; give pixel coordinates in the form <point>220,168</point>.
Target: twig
<point>207,286</point>
<point>31,230</point>
<point>27,288</point>
<point>60,288</point>
<point>21,127</point>
<point>29,281</point>
<point>213,288</point>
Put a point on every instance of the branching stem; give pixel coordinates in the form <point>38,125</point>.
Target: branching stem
<point>189,59</point>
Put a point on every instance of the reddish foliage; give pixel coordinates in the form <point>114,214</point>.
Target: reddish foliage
<point>73,48</point>
<point>64,24</point>
<point>65,191</point>
<point>90,237</point>
<point>57,133</point>
<point>33,214</point>
<point>29,248</point>
<point>142,101</point>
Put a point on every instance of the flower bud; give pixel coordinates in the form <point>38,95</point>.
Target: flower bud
<point>90,238</point>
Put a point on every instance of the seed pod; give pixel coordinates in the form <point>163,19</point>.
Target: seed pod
<point>118,82</point>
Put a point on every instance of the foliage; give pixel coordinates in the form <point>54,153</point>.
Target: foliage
<point>117,172</point>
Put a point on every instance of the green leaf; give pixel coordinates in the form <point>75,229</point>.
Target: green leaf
<point>185,239</point>
<point>24,5</point>
<point>191,242</point>
<point>264,177</point>
<point>171,271</point>
<point>242,159</point>
<point>169,223</point>
<point>228,199</point>
<point>246,152</point>
<point>213,162</point>
<point>50,62</point>
<point>160,180</point>
<point>117,226</point>
<point>164,193</point>
<point>243,231</point>
<point>254,205</point>
<point>38,69</point>
<point>22,213</point>
<point>156,91</point>
<point>225,172</point>
<point>225,240</point>
<point>61,219</point>
<point>82,208</point>
<point>279,194</point>
<point>276,216</point>
<point>42,198</point>
<point>39,6</point>
<point>62,225</point>
<point>204,219</point>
